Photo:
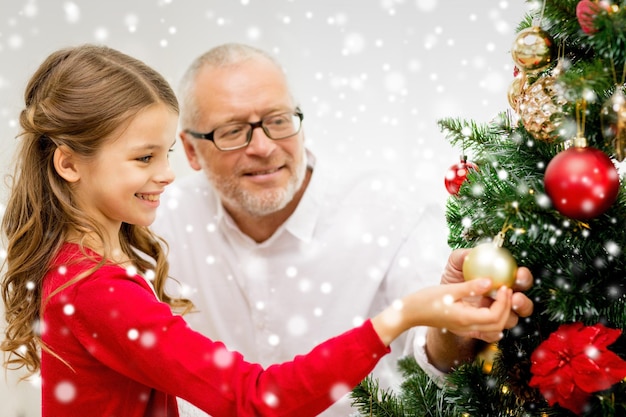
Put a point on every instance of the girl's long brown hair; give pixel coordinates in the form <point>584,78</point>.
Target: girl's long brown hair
<point>77,98</point>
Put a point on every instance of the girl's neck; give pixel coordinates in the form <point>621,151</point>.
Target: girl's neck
<point>112,252</point>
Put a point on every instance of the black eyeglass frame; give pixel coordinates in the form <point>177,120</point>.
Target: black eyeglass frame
<point>209,136</point>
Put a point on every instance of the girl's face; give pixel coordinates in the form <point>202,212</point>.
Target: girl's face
<point>125,180</point>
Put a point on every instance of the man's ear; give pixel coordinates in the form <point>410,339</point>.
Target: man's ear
<point>65,164</point>
<point>190,151</point>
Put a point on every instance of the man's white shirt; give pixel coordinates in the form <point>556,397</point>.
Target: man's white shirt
<point>353,246</point>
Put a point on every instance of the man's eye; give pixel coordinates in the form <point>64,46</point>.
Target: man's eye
<point>277,120</point>
<point>234,131</point>
<point>231,132</point>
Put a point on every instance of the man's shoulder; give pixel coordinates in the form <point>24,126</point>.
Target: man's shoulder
<point>371,188</point>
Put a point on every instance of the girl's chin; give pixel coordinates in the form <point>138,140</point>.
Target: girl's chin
<point>146,222</point>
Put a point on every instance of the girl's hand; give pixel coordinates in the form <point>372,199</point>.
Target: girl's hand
<point>522,306</point>
<point>446,306</point>
<point>446,349</point>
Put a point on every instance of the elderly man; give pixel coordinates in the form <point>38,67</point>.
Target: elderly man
<point>279,251</point>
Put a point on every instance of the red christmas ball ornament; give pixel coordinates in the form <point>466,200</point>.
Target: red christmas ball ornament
<point>457,174</point>
<point>582,182</point>
<point>586,12</point>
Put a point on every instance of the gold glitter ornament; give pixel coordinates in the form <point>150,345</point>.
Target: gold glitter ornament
<point>540,108</point>
<point>613,122</point>
<point>532,49</point>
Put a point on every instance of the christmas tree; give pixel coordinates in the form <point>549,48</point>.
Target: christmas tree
<point>542,182</point>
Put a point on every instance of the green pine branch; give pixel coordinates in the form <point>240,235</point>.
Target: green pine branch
<point>421,395</point>
<point>371,400</point>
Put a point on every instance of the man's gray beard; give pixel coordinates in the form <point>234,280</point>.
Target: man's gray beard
<point>260,204</point>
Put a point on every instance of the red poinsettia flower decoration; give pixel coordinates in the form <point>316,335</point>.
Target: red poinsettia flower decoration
<point>574,362</point>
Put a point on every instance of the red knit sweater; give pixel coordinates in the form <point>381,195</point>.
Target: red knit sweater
<point>126,354</point>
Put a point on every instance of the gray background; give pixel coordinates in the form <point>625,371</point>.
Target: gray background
<point>372,77</point>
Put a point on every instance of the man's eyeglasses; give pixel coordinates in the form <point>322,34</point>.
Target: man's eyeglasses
<point>238,135</point>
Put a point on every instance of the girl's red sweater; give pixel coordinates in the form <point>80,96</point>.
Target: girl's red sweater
<point>115,350</point>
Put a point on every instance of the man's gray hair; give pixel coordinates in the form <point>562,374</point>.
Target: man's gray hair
<point>224,55</point>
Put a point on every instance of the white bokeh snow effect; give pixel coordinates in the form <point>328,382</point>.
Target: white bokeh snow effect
<point>65,392</point>
<point>371,77</point>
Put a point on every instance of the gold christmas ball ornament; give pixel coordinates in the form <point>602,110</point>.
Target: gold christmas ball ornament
<point>532,49</point>
<point>490,260</point>
<point>515,91</point>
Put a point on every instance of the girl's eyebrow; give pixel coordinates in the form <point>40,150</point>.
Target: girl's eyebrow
<point>150,146</point>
